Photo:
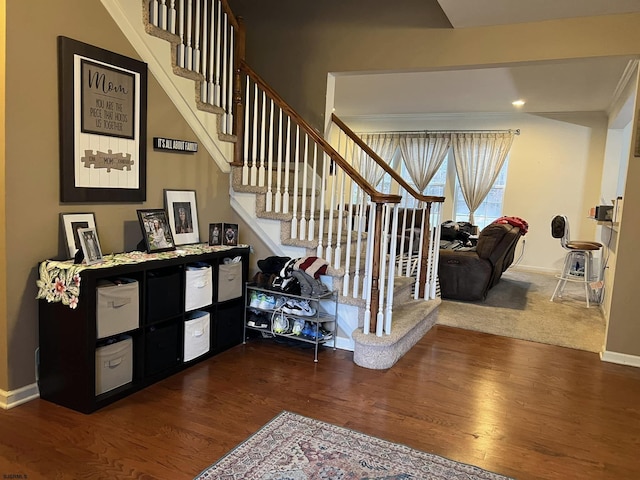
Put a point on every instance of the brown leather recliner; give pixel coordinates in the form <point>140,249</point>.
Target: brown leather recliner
<point>469,275</point>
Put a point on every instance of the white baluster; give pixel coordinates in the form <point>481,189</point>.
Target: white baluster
<point>419,263</point>
<point>296,191</point>
<point>338,252</point>
<point>303,216</point>
<point>287,163</point>
<point>196,50</point>
<point>223,85</point>
<point>322,209</point>
<point>254,145</point>
<point>181,52</point>
<point>360,232</point>
<point>366,288</point>
<point>154,13</point>
<point>216,87</point>
<point>263,126</point>
<point>205,46</point>
<point>172,17</point>
<point>245,160</point>
<point>312,208</point>
<point>230,82</point>
<point>162,17</point>
<point>211,65</point>
<point>189,51</point>
<point>392,271</point>
<point>347,256</point>
<point>278,199</point>
<point>269,199</point>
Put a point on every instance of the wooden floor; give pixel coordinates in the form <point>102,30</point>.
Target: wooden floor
<point>522,409</point>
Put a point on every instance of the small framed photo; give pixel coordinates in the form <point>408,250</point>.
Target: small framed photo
<point>90,245</point>
<point>71,222</point>
<point>215,234</point>
<point>155,230</point>
<point>230,234</point>
<point>183,215</point>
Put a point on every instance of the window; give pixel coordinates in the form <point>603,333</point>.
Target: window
<point>490,209</point>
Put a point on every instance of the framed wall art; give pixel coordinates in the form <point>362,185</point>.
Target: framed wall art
<point>155,230</point>
<point>103,124</point>
<point>90,245</point>
<point>71,222</point>
<point>183,215</point>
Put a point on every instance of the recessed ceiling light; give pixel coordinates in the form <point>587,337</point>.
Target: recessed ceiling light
<point>518,103</point>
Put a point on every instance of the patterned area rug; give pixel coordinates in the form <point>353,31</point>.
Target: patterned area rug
<point>293,447</point>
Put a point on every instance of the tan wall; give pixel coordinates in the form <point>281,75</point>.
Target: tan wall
<point>32,165</point>
<point>3,251</point>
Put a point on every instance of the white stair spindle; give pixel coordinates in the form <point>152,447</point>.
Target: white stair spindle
<point>172,17</point>
<point>338,252</point>
<point>181,52</point>
<point>154,13</point>
<point>196,49</point>
<point>212,50</point>
<point>287,168</point>
<point>296,190</point>
<point>322,209</point>
<point>388,315</point>
<point>254,137</point>
<point>312,208</point>
<point>223,81</point>
<point>245,160</point>
<point>263,127</point>
<point>205,46</point>
<point>189,50</point>
<point>216,86</point>
<point>230,82</point>
<point>269,172</point>
<point>278,199</point>
<point>303,215</point>
<point>347,255</point>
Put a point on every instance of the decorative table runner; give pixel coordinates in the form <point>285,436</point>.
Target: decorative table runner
<point>60,280</point>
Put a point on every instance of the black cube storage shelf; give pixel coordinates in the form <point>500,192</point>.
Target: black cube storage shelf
<point>68,337</point>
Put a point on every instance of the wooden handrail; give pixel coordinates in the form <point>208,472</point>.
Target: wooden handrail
<point>376,197</point>
<point>383,164</point>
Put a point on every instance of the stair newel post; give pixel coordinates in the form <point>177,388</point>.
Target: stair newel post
<point>375,268</point>
<point>424,249</point>
<point>238,103</point>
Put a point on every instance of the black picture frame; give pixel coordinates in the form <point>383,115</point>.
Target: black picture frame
<point>102,100</point>
<point>230,234</point>
<point>215,234</point>
<point>156,232</point>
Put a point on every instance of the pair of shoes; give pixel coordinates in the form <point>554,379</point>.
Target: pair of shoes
<point>268,302</point>
<point>255,299</point>
<point>257,320</point>
<point>321,335</point>
<point>281,324</point>
<point>302,308</point>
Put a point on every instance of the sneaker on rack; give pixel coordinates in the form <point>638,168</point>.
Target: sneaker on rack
<point>281,324</point>
<point>255,299</point>
<point>268,302</point>
<point>298,326</point>
<point>299,307</point>
<point>280,301</point>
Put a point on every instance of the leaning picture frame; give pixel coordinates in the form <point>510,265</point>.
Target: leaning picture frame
<point>71,222</point>
<point>90,245</point>
<point>182,211</point>
<point>155,230</point>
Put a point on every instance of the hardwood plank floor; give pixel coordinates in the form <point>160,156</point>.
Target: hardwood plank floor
<point>527,410</point>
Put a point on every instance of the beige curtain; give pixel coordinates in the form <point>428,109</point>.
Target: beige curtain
<point>478,159</point>
<point>386,146</point>
<point>423,154</point>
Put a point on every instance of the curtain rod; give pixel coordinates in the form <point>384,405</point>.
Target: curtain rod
<point>514,131</point>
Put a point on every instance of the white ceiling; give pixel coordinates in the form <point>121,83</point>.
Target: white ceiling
<point>568,86</point>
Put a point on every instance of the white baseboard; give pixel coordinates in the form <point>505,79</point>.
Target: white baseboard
<point>13,398</point>
<point>620,358</point>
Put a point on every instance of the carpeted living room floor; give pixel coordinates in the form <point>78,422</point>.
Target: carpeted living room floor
<point>520,307</point>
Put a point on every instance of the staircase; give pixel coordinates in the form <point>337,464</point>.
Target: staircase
<point>302,192</point>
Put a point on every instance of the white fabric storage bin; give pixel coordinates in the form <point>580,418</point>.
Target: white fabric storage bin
<point>114,365</point>
<point>196,335</point>
<point>117,307</point>
<point>229,281</point>
<point>198,286</point>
